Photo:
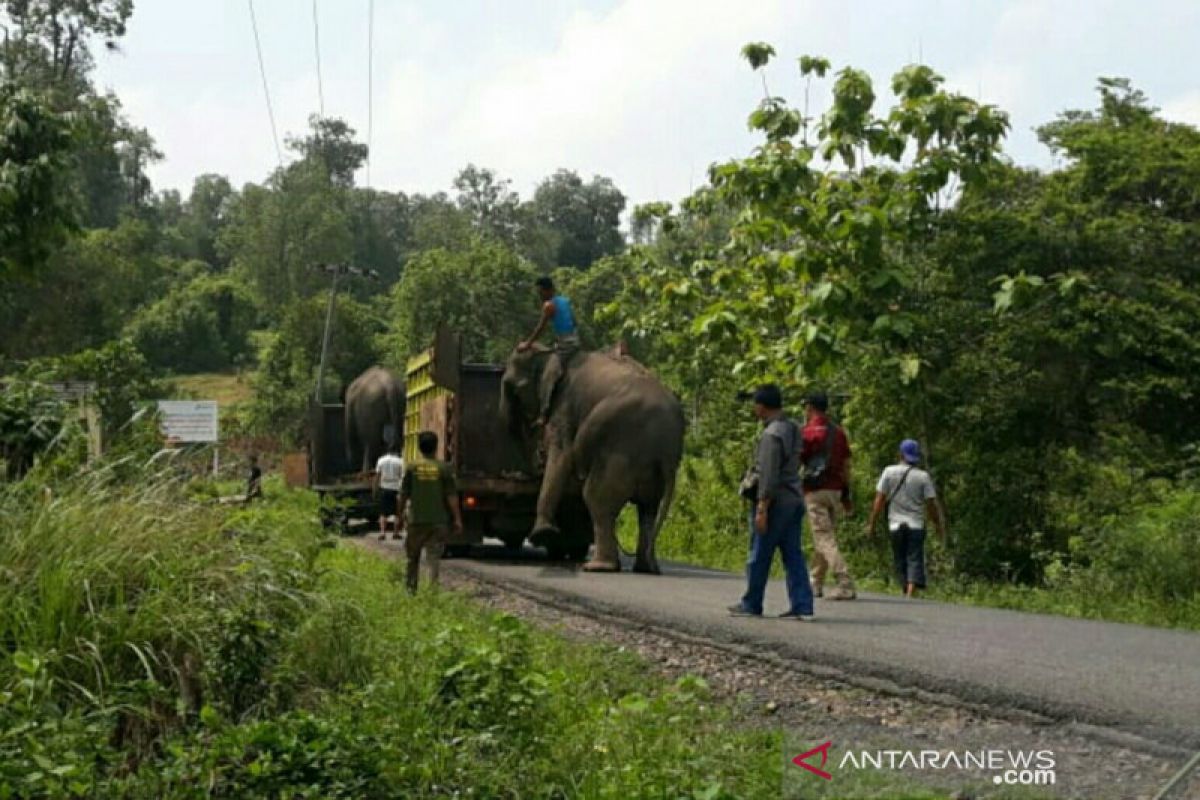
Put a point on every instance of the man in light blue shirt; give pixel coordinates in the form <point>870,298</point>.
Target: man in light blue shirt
<point>556,312</point>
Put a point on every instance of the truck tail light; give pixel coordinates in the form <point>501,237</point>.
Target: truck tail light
<point>471,501</point>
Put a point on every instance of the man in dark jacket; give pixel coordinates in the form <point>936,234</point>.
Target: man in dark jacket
<point>778,512</point>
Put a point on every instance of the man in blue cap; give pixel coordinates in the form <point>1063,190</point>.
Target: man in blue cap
<point>777,515</point>
<point>906,491</point>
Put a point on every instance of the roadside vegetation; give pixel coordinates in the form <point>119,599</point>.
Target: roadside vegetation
<point>161,645</point>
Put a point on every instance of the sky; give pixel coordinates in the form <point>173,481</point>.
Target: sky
<point>646,92</point>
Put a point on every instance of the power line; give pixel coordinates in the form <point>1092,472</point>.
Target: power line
<point>317,48</point>
<point>262,71</point>
<point>370,82</point>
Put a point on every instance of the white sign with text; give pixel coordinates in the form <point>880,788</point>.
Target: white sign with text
<point>188,420</point>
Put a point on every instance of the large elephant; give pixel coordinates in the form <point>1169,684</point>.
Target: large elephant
<point>374,415</point>
<point>615,435</point>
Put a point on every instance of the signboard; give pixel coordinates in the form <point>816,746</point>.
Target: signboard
<point>188,420</point>
<point>73,390</point>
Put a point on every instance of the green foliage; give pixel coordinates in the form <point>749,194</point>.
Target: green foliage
<point>201,326</point>
<point>32,421</point>
<point>285,380</point>
<point>197,666</point>
<point>36,203</point>
<point>583,218</point>
<point>122,376</point>
<point>484,291</point>
<point>1035,331</point>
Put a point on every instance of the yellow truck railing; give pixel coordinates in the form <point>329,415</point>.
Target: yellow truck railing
<point>429,377</point>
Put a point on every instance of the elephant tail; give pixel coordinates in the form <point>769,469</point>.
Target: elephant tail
<point>664,505</point>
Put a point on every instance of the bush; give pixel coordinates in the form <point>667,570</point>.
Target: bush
<point>204,325</point>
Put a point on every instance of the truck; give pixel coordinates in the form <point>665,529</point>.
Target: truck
<point>498,477</point>
<point>346,493</point>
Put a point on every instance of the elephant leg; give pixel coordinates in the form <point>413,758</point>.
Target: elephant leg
<point>554,480</point>
<point>646,561</point>
<point>604,510</point>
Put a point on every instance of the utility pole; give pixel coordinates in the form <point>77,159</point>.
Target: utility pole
<point>337,271</point>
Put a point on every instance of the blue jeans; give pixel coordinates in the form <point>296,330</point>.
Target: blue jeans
<point>783,533</point>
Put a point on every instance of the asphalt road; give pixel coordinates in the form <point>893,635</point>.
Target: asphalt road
<point>1135,679</point>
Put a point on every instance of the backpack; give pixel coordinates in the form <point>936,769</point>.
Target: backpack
<point>813,471</point>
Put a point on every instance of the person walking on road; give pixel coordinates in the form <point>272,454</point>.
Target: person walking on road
<point>777,516</point>
<point>428,504</point>
<point>826,458</point>
<point>389,471</point>
<point>907,493</point>
<point>556,312</point>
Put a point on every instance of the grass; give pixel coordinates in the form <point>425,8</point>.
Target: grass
<point>228,389</point>
<point>159,645</point>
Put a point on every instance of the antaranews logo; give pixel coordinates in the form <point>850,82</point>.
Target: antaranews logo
<point>1008,767</point>
<point>802,760</point>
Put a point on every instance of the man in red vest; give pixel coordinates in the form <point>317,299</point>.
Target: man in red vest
<point>826,460</point>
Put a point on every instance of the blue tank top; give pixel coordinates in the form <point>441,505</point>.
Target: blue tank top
<point>564,317</point>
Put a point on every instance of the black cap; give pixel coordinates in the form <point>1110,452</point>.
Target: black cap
<point>545,282</point>
<point>769,395</point>
<point>818,400</point>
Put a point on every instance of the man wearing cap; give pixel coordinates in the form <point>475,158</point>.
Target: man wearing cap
<point>826,458</point>
<point>777,515</point>
<point>907,492</point>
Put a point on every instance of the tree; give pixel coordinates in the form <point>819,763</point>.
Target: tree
<point>483,291</point>
<point>37,208</point>
<point>330,143</point>
<point>284,383</point>
<point>584,218</point>
<point>201,326</point>
<point>48,44</point>
<point>493,207</point>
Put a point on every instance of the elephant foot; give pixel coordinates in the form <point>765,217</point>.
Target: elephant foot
<point>647,567</point>
<point>543,533</point>
<point>602,566</point>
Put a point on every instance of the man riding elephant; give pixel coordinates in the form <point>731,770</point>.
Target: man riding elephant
<point>614,435</point>
<point>556,312</point>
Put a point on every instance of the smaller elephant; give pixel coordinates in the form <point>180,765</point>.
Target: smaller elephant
<point>374,416</point>
<point>614,436</point>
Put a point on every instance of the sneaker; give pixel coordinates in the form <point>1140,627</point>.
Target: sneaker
<point>818,591</point>
<point>842,593</point>
<point>738,610</point>
<point>796,615</point>
<point>382,536</point>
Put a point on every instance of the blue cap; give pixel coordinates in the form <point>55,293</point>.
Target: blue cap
<point>910,451</point>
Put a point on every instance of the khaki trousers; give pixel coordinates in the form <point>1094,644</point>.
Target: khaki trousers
<point>429,538</point>
<point>824,506</point>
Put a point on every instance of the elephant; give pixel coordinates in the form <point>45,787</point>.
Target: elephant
<point>374,415</point>
<point>614,435</point>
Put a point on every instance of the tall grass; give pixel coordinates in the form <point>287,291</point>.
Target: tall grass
<point>156,644</point>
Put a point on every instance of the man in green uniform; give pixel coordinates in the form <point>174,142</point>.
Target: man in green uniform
<point>428,502</point>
